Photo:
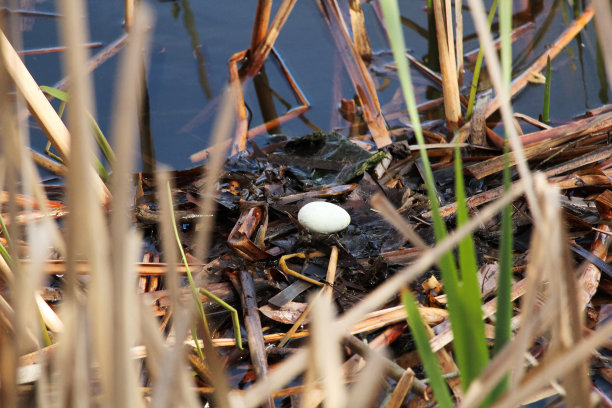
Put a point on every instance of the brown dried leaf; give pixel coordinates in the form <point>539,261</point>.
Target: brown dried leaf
<point>287,314</point>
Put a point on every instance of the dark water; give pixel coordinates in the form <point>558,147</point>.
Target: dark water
<point>193,39</point>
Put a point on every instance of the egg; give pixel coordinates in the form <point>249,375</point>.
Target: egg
<point>323,217</point>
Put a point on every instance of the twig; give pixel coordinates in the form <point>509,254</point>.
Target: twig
<point>253,327</point>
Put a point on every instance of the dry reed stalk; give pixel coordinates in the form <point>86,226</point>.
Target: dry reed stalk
<point>450,89</point>
<point>496,164</point>
<point>590,275</point>
<point>370,322</point>
<point>261,46</point>
<point>71,357</point>
<point>173,376</point>
<point>360,35</point>
<point>522,80</point>
<point>40,108</point>
<point>51,319</point>
<point>532,121</point>
<point>402,388</point>
<point>326,356</point>
<point>95,61</point>
<point>169,246</point>
<point>125,251</point>
<point>58,267</point>
<point>448,28</point>
<point>262,51</point>
<point>565,298</point>
<point>517,32</point>
<point>49,164</point>
<point>358,73</point>
<point>445,334</point>
<point>538,65</point>
<point>128,6</point>
<point>603,16</point>
<point>330,277</point>
<point>293,112</point>
<point>260,25</point>
<point>297,363</point>
<point>50,50</point>
<point>381,204</point>
<point>371,379</point>
<point>459,39</point>
<point>221,134</point>
<point>242,120</point>
<point>252,323</point>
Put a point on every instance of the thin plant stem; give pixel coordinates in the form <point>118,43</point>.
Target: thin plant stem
<point>194,290</point>
<point>428,357</point>
<point>233,312</point>
<point>478,66</point>
<point>546,107</point>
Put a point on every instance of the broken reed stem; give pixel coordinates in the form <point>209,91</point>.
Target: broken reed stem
<point>129,13</point>
<point>448,68</point>
<point>459,40</point>
<point>360,35</point>
<point>260,25</point>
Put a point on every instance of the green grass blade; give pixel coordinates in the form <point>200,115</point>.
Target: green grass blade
<point>470,329</point>
<point>194,290</point>
<point>465,314</point>
<point>478,67</point>
<point>56,93</point>
<point>546,107</point>
<point>428,358</point>
<point>233,312</point>
<point>503,316</point>
<point>6,256</point>
<point>101,140</point>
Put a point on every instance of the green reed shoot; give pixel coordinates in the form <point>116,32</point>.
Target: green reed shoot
<point>464,303</point>
<point>503,315</point>
<point>428,358</point>
<point>478,66</point>
<point>468,325</point>
<point>101,140</point>
<point>546,107</point>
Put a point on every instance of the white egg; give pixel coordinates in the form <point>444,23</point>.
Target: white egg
<point>323,217</point>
